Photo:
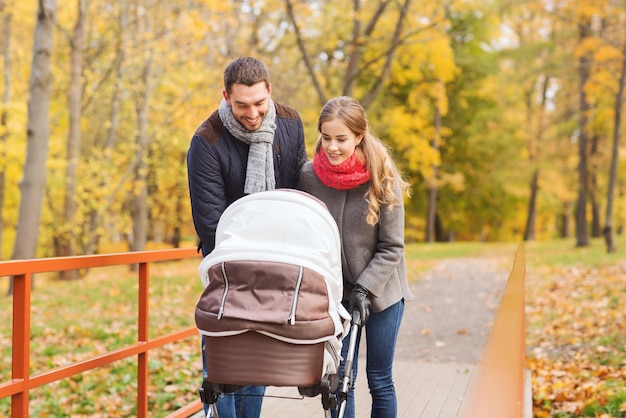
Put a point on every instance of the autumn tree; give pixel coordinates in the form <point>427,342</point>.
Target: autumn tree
<point>138,199</point>
<point>382,58</point>
<point>65,241</point>
<point>534,34</point>
<point>609,82</point>
<point>599,51</point>
<point>38,133</point>
<point>431,214</point>
<point>109,157</point>
<point>474,193</point>
<point>361,55</point>
<point>584,62</point>
<point>479,103</point>
<point>609,230</point>
<point>5,42</point>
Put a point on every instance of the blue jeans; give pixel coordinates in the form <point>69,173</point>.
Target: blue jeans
<point>381,333</point>
<point>237,404</point>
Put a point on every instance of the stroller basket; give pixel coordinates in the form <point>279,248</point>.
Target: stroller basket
<point>275,363</point>
<point>271,310</point>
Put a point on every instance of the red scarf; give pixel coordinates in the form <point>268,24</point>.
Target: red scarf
<point>347,175</point>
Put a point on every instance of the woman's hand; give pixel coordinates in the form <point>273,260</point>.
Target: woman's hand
<point>359,299</point>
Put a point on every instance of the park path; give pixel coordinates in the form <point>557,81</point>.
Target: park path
<point>442,337</point>
<point>451,316</point>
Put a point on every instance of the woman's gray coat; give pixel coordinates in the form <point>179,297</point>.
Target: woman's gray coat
<point>372,256</point>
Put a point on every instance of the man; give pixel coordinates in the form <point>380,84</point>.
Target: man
<point>250,144</point>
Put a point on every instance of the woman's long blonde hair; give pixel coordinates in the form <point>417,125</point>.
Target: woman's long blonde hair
<point>371,151</point>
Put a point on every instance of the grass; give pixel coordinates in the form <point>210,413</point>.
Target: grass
<point>564,253</point>
<point>576,347</point>
<point>72,321</point>
<point>539,254</point>
<point>421,257</point>
<point>575,298</point>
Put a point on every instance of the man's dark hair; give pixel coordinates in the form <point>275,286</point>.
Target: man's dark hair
<point>246,70</point>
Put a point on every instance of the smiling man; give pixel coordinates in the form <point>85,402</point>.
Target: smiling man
<point>249,144</point>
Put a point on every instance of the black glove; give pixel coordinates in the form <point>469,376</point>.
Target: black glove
<point>359,300</point>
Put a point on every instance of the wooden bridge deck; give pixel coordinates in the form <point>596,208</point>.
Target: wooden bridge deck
<point>429,386</point>
<point>424,390</point>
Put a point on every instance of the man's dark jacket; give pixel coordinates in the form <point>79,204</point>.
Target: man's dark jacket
<point>216,167</point>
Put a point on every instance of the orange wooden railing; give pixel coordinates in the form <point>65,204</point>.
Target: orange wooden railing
<point>497,387</point>
<point>22,381</point>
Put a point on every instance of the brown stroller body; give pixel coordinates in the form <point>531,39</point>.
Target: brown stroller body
<point>271,311</point>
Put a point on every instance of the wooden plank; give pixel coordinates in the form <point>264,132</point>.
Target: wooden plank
<point>411,397</point>
<point>440,396</point>
<point>424,390</point>
<point>287,402</point>
<point>439,392</point>
<point>417,384</point>
<point>458,391</point>
<point>423,385</point>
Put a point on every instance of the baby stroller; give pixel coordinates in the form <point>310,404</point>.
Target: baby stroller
<point>271,311</point>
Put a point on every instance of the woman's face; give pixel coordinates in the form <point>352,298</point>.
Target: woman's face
<point>338,141</point>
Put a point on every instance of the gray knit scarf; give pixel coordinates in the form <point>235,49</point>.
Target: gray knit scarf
<point>260,167</point>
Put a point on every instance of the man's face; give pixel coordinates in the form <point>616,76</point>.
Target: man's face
<point>249,103</point>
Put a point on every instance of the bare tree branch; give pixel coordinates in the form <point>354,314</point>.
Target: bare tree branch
<point>358,42</point>
<point>378,85</point>
<point>307,61</point>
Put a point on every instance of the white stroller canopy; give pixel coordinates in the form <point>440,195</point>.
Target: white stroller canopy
<point>282,225</point>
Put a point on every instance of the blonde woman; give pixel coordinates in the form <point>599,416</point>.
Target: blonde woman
<point>354,175</point>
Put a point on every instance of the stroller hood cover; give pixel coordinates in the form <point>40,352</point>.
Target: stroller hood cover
<point>290,233</point>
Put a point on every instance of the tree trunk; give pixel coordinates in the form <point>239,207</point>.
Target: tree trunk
<point>431,210</point>
<point>565,227</point>
<point>441,234</point>
<point>6,98</point>
<point>139,203</point>
<point>609,234</point>
<point>534,156</point>
<point>593,190</point>
<point>68,244</point>
<point>38,135</point>
<point>596,229</point>
<point>181,197</point>
<point>529,234</point>
<point>582,238</point>
<point>432,183</point>
<point>92,242</point>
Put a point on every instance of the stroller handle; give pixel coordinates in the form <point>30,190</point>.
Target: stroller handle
<point>346,379</point>
<point>356,318</point>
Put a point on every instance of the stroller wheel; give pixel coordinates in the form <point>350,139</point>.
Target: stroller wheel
<point>225,388</point>
<point>310,391</point>
<point>327,386</point>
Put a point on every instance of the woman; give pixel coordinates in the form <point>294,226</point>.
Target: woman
<point>354,175</point>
